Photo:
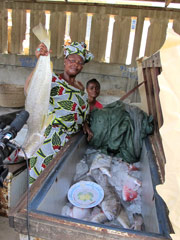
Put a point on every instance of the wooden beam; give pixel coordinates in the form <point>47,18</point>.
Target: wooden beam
<point>111,9</point>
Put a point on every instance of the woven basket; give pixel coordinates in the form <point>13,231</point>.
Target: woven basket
<point>11,95</point>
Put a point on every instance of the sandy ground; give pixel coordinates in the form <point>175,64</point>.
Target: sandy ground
<point>6,232</point>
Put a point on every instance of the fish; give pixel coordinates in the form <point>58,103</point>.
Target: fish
<point>81,170</point>
<point>66,211</point>
<point>84,177</point>
<point>111,202</point>
<point>110,207</point>
<point>37,99</point>
<point>99,218</point>
<point>95,211</point>
<point>75,212</point>
<point>126,185</point>
<point>102,162</point>
<point>81,213</point>
<point>100,178</point>
<point>105,171</point>
<point>123,218</point>
<point>138,222</point>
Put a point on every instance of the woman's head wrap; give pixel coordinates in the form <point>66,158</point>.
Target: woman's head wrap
<point>78,48</point>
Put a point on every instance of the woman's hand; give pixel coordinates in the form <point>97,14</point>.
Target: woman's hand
<point>41,50</point>
<point>87,130</point>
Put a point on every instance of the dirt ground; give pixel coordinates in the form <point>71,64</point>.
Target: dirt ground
<point>6,232</point>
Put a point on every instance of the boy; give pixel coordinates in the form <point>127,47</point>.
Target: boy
<point>93,90</point>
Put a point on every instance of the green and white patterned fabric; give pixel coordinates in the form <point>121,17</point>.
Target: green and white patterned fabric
<point>78,48</point>
<point>70,108</point>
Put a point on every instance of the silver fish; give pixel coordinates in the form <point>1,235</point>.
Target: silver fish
<point>111,203</point>
<point>123,218</point>
<point>96,210</point>
<point>71,211</point>
<point>110,208</point>
<point>85,177</point>
<point>99,218</point>
<point>138,222</point>
<point>100,178</point>
<point>97,215</point>
<point>37,99</point>
<point>81,170</point>
<point>67,210</point>
<point>102,162</point>
<point>105,171</point>
<point>81,213</point>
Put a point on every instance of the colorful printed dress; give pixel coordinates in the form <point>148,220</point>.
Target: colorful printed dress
<point>70,108</point>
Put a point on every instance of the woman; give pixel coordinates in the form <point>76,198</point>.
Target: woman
<point>69,104</point>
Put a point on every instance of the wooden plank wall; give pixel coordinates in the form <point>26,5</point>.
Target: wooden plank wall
<point>3,28</point>
<point>99,27</point>
<point>18,30</point>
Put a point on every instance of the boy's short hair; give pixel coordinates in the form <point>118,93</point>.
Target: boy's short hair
<point>93,80</point>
